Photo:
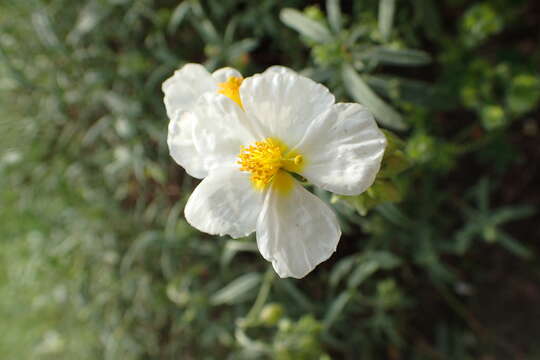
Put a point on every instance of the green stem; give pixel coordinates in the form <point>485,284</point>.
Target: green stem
<point>264,291</point>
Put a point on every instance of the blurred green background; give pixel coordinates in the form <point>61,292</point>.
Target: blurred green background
<point>439,259</point>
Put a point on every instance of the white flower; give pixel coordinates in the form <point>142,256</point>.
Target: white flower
<point>182,90</point>
<point>286,124</point>
<point>190,82</point>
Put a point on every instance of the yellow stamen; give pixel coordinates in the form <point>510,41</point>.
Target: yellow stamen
<point>267,161</point>
<point>230,89</point>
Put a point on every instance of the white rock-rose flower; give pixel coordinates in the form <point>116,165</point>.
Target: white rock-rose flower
<point>283,124</point>
<point>181,92</point>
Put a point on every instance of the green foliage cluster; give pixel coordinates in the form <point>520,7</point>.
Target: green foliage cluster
<point>97,262</point>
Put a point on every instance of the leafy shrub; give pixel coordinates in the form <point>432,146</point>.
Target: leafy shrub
<point>98,262</point>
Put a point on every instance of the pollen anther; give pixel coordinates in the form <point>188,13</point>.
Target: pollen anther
<point>265,159</point>
<point>231,89</point>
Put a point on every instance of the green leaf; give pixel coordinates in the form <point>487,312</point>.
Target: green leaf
<point>236,291</point>
<point>386,17</point>
<point>403,57</point>
<point>384,259</point>
<point>288,286</point>
<point>232,247</point>
<point>386,190</point>
<point>13,71</point>
<point>523,93</point>
<point>334,15</point>
<point>305,26</point>
<point>336,308</point>
<point>370,263</point>
<point>241,47</point>
<point>45,30</point>
<point>342,268</point>
<point>361,92</point>
<point>203,25</point>
<point>356,32</point>
<point>513,245</point>
<point>178,16</point>
<point>394,215</point>
<point>362,272</point>
<point>465,236</point>
<point>89,17</point>
<point>482,190</point>
<point>506,214</point>
<point>178,290</point>
<point>230,30</point>
<point>394,163</point>
<point>413,91</point>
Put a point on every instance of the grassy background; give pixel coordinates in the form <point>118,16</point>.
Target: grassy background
<point>439,260</point>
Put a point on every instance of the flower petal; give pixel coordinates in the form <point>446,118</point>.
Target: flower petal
<point>220,130</point>
<point>343,150</point>
<point>283,104</point>
<point>280,70</point>
<point>225,202</point>
<point>296,231</point>
<point>181,146</point>
<point>223,74</point>
<point>183,89</point>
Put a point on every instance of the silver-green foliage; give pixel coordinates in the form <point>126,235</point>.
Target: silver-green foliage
<point>96,260</point>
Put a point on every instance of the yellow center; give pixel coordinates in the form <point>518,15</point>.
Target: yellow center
<point>268,161</point>
<point>230,89</point>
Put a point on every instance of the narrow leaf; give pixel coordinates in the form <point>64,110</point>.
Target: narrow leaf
<point>44,29</point>
<point>336,309</point>
<point>386,17</point>
<point>362,272</point>
<point>413,91</point>
<point>394,215</point>
<point>334,15</point>
<point>291,290</point>
<point>342,268</point>
<point>232,247</point>
<point>505,214</point>
<point>403,57</point>
<point>305,26</point>
<point>241,47</point>
<point>384,259</point>
<point>178,16</point>
<point>203,25</point>
<point>236,290</point>
<point>513,245</point>
<point>362,93</point>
